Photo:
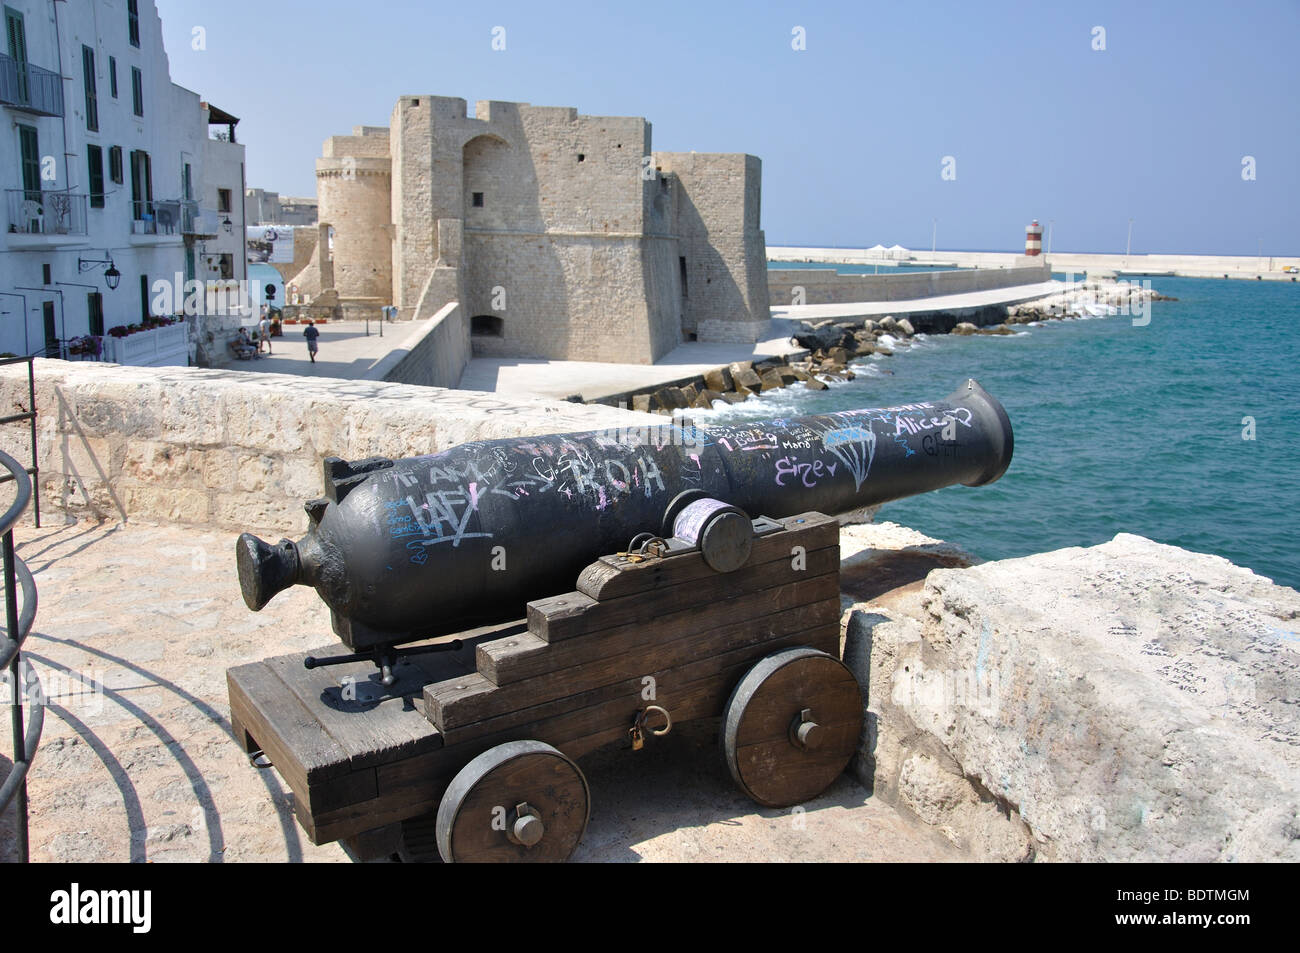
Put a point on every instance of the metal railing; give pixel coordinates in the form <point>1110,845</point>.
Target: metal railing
<point>170,217</point>
<point>30,88</point>
<point>46,211</point>
<point>24,683</point>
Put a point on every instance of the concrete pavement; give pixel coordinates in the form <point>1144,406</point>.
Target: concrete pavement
<point>950,303</point>
<point>345,350</point>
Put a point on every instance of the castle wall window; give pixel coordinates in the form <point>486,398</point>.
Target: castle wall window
<point>487,326</point>
<point>477,199</point>
<point>581,157</point>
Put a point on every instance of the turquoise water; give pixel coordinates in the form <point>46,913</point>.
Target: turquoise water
<point>1118,428</point>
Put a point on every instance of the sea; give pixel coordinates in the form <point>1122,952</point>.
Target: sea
<point>1185,429</point>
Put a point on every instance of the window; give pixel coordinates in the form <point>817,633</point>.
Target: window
<point>477,199</point>
<point>95,313</point>
<point>144,297</point>
<point>115,164</point>
<point>17,51</point>
<point>112,76</point>
<point>581,157</point>
<point>133,22</point>
<point>487,326</point>
<point>141,185</point>
<point>31,161</point>
<point>45,274</point>
<point>95,160</point>
<point>187,182</point>
<point>88,80</point>
<point>137,91</point>
<point>223,200</point>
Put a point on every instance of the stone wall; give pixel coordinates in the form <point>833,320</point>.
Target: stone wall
<point>826,286</point>
<point>241,450</point>
<point>1123,702</point>
<point>433,355</point>
<point>716,218</point>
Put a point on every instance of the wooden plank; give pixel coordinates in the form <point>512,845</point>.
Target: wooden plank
<point>371,728</point>
<point>291,737</point>
<point>456,703</point>
<point>575,614</point>
<point>696,690</point>
<point>612,577</point>
<point>525,656</point>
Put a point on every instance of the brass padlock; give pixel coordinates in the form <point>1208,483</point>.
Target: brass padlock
<point>638,737</point>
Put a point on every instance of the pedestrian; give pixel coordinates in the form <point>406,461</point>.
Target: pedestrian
<point>311,334</point>
<point>264,333</point>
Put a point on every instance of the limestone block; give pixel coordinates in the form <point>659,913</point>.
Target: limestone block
<point>965,327</point>
<point>905,327</point>
<point>771,380</point>
<point>1130,701</point>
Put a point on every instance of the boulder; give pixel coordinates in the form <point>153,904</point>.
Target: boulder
<point>670,398</point>
<point>965,327</point>
<point>813,383</point>
<point>689,393</point>
<point>905,327</point>
<point>743,376</point>
<point>641,402</point>
<point>718,379</point>
<point>1130,701</point>
<point>706,398</point>
<point>837,355</point>
<point>888,323</point>
<point>734,398</point>
<point>772,380</point>
<point>827,335</point>
<point>788,374</point>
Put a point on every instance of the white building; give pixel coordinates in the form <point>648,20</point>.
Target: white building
<point>111,175</point>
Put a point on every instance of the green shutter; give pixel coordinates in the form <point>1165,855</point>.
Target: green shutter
<point>17,48</point>
<point>31,160</point>
<point>95,159</point>
<point>88,79</point>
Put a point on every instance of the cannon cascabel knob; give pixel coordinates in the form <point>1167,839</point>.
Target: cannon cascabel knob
<point>264,569</point>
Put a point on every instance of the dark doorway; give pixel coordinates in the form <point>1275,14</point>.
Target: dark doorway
<point>95,310</point>
<point>487,326</point>
<point>51,332</point>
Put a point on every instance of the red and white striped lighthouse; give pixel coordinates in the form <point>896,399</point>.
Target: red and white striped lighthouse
<point>1033,238</point>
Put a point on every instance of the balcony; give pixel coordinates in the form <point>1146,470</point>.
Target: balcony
<point>173,217</point>
<point>46,212</point>
<point>30,88</point>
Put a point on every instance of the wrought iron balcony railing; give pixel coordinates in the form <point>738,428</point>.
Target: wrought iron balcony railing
<point>30,88</point>
<point>46,212</point>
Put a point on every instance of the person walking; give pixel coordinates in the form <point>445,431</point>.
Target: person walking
<point>264,333</point>
<point>311,334</point>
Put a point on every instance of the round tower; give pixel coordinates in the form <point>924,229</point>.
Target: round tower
<point>354,189</point>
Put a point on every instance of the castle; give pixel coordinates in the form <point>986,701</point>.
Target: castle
<point>562,236</point>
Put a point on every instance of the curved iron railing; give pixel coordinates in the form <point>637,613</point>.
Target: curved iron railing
<point>22,684</point>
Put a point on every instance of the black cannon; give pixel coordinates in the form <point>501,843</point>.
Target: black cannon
<point>404,550</point>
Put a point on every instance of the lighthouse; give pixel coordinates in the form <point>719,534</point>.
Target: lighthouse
<point>1033,238</point>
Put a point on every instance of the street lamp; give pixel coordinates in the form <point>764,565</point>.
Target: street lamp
<point>111,275</point>
<point>228,225</point>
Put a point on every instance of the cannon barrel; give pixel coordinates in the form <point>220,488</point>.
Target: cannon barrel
<point>406,549</point>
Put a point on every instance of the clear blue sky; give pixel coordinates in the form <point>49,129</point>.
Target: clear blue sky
<point>852,130</point>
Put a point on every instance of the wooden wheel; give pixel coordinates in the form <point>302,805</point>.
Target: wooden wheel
<point>522,801</point>
<point>791,726</point>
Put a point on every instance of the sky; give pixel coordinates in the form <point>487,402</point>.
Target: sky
<point>899,122</point>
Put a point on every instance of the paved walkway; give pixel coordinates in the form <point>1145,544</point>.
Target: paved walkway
<point>958,302</point>
<point>593,381</point>
<point>345,350</point>
<point>143,768</point>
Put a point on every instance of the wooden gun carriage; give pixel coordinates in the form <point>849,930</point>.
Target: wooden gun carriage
<point>481,752</point>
